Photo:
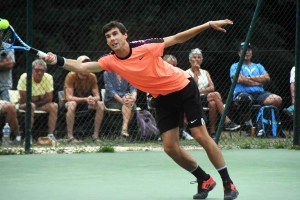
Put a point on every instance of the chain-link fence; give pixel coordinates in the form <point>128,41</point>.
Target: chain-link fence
<point>73,28</point>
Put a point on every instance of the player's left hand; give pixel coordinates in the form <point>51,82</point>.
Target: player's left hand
<point>217,25</point>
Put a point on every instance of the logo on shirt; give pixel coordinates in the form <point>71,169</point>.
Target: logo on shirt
<point>141,58</point>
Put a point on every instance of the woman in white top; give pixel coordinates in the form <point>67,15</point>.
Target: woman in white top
<point>209,97</point>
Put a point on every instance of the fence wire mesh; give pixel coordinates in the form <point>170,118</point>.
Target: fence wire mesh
<point>74,28</point>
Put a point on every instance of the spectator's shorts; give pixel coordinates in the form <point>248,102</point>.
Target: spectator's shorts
<point>2,104</point>
<point>170,109</point>
<point>116,105</point>
<point>83,106</point>
<point>260,97</point>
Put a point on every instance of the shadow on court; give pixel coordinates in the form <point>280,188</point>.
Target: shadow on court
<point>258,174</point>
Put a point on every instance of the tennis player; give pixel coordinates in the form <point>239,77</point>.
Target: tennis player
<point>176,93</point>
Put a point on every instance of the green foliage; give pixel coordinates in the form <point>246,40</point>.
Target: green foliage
<point>106,149</point>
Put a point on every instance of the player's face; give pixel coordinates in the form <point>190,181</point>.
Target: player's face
<point>38,73</point>
<point>115,39</point>
<point>196,60</point>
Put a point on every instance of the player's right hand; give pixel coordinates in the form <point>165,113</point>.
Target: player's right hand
<point>50,59</point>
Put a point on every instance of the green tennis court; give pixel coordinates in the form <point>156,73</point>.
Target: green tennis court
<point>258,174</point>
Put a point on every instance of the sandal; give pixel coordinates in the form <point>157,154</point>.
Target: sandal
<point>96,139</point>
<point>124,133</point>
<point>73,140</point>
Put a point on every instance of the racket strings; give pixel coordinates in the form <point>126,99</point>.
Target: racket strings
<point>8,37</point>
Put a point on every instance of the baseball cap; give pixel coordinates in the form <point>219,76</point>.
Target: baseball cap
<point>83,58</point>
<point>241,46</point>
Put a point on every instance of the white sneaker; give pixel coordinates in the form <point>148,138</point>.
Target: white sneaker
<point>186,136</point>
<point>52,137</point>
<point>159,139</point>
<point>260,133</point>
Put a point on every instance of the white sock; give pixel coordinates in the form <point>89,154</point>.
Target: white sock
<point>50,135</point>
<point>18,138</point>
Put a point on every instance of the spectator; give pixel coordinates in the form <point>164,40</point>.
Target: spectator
<point>7,62</point>
<point>290,110</point>
<point>11,117</point>
<point>120,95</point>
<point>209,97</point>
<point>251,79</point>
<point>42,94</point>
<point>81,93</point>
<point>171,59</point>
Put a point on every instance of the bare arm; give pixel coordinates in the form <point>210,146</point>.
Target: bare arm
<point>70,96</point>
<point>292,87</point>
<point>74,65</point>
<point>190,33</point>
<point>7,63</point>
<point>44,99</point>
<point>210,87</point>
<point>253,80</point>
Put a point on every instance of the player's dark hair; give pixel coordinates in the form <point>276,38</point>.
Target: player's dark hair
<point>114,24</point>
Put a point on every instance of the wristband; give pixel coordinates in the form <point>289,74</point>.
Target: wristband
<point>60,61</point>
<point>210,24</point>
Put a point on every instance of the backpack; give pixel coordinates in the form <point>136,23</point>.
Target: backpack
<point>268,123</point>
<point>146,123</point>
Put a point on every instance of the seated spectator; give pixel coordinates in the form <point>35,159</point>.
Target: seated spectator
<point>171,59</point>
<point>290,110</point>
<point>7,62</point>
<point>11,118</point>
<point>120,95</point>
<point>209,97</point>
<point>42,94</point>
<point>251,80</point>
<point>81,93</point>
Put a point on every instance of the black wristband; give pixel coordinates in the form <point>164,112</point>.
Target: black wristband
<point>60,61</point>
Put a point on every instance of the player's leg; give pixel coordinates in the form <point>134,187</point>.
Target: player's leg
<point>195,117</point>
<point>169,116</point>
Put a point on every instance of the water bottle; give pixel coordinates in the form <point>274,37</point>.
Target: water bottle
<point>6,135</point>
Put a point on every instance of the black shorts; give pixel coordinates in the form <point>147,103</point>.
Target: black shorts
<point>170,109</point>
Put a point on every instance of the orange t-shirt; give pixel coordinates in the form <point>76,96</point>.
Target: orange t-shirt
<point>145,69</point>
<point>82,87</point>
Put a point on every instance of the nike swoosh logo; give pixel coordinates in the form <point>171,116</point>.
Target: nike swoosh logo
<point>141,58</point>
<point>193,121</point>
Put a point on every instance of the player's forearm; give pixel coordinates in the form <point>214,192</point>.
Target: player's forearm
<point>73,65</point>
<point>190,33</point>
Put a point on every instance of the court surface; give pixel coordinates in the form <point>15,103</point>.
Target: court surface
<point>258,174</point>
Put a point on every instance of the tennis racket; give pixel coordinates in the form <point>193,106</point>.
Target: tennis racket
<point>10,38</point>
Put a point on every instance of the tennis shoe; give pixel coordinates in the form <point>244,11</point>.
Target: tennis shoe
<point>52,137</point>
<point>231,126</point>
<point>230,191</point>
<point>204,187</point>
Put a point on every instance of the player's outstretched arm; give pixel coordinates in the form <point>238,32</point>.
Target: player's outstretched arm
<point>72,65</point>
<point>190,33</point>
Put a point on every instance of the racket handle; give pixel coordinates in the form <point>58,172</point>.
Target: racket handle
<point>38,52</point>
